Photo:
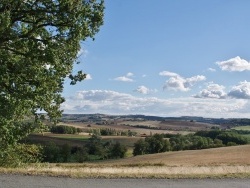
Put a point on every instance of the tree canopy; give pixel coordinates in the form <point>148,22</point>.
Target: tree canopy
<point>39,44</point>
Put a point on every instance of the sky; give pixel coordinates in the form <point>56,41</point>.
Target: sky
<point>166,58</point>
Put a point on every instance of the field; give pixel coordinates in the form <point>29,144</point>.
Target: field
<point>171,125</point>
<point>217,162</point>
<point>152,127</point>
<point>231,162</point>
<point>245,128</point>
<point>234,155</point>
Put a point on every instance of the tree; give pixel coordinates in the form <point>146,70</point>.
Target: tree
<point>140,147</point>
<point>153,144</point>
<point>118,151</point>
<point>39,44</point>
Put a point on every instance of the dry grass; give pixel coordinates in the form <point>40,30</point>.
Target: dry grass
<point>134,172</point>
<point>210,163</point>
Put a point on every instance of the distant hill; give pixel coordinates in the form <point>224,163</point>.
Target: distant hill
<point>224,123</point>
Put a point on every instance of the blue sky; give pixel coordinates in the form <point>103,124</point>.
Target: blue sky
<point>167,58</point>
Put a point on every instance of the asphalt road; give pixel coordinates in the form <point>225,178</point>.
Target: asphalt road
<point>18,181</point>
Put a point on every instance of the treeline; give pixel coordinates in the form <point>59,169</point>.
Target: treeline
<point>62,129</point>
<point>95,149</point>
<point>199,140</point>
<point>153,144</point>
<point>112,132</point>
<point>242,131</point>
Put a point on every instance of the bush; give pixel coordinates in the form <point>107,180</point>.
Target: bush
<point>19,154</point>
<point>61,129</point>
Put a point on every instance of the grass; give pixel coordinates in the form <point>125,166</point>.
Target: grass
<point>72,137</point>
<point>152,171</point>
<point>245,128</point>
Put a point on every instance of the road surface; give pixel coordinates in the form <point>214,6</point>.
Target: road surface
<point>14,181</point>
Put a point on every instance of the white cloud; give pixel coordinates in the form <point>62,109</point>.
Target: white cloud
<point>124,79</point>
<point>112,102</point>
<point>130,74</point>
<point>234,64</point>
<point>144,75</point>
<point>211,70</point>
<point>195,79</point>
<point>212,91</point>
<point>88,77</point>
<point>176,82</point>
<point>241,91</point>
<point>144,90</point>
<point>167,73</point>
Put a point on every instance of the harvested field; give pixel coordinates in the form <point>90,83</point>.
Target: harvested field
<point>131,125</point>
<point>235,155</point>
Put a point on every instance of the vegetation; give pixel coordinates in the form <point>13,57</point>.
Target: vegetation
<point>112,132</point>
<point>62,129</point>
<point>225,162</point>
<point>95,149</point>
<point>39,44</point>
<point>199,140</point>
<point>153,144</point>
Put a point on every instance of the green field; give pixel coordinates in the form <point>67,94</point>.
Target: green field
<point>72,137</point>
<point>244,128</point>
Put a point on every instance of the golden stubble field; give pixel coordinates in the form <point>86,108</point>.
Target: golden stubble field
<point>234,155</point>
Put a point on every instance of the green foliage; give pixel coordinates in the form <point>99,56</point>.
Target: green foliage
<point>63,154</point>
<point>118,151</point>
<point>153,144</point>
<point>51,153</point>
<point>39,44</point>
<point>199,140</point>
<point>156,144</point>
<point>227,137</point>
<point>224,136</point>
<point>20,153</point>
<point>95,149</point>
<point>112,132</point>
<point>140,147</point>
<point>105,150</point>
<point>62,129</point>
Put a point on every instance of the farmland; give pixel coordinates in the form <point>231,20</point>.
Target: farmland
<point>138,124</point>
<point>230,161</point>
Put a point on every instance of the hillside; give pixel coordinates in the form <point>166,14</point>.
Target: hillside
<point>235,155</point>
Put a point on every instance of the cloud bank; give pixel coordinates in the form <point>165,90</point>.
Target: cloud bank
<point>112,102</point>
<point>240,91</point>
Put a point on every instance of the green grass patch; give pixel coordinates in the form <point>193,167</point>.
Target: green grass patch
<point>72,137</point>
<point>245,128</point>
